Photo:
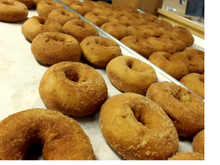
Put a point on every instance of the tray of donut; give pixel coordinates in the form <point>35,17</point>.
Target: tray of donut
<point>75,86</point>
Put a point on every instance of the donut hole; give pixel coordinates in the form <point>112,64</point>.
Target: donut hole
<point>42,21</point>
<point>71,75</point>
<point>101,42</point>
<point>183,95</point>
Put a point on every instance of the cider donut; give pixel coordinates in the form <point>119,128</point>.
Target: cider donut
<point>77,6</point>
<point>195,82</point>
<point>168,31</point>
<point>12,11</point>
<point>44,7</point>
<point>102,11</point>
<point>129,74</point>
<point>61,136</point>
<point>98,20</point>
<point>170,64</point>
<point>80,29</point>
<point>184,107</point>
<point>197,52</point>
<point>187,156</point>
<point>184,34</point>
<point>110,27</point>
<point>179,45</point>
<point>199,142</point>
<point>62,16</point>
<point>137,31</point>
<point>153,30</point>
<point>149,16</point>
<point>139,44</point>
<point>73,88</point>
<point>162,23</point>
<point>28,3</point>
<point>39,24</point>
<point>98,51</point>
<point>137,128</point>
<point>69,2</point>
<point>50,48</point>
<point>194,62</point>
<point>162,46</point>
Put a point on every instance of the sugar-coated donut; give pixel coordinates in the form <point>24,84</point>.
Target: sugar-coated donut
<point>129,74</point>
<point>44,7</point>
<point>139,44</point>
<point>179,45</point>
<point>110,27</point>
<point>12,11</point>
<point>199,142</point>
<point>77,6</point>
<point>192,51</point>
<point>184,107</point>
<point>187,156</point>
<point>80,29</point>
<point>98,20</point>
<point>162,46</point>
<point>98,50</point>
<point>28,3</point>
<point>61,136</point>
<point>50,48</point>
<point>73,88</point>
<point>194,62</point>
<point>170,64</point>
<point>137,128</point>
<point>62,16</point>
<point>195,82</point>
<point>39,24</point>
<point>184,34</point>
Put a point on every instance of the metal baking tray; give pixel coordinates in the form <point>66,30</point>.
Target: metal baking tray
<point>20,75</point>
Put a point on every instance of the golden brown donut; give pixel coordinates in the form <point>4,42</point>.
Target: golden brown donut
<point>139,44</point>
<point>149,16</point>
<point>192,51</point>
<point>187,156</point>
<point>28,3</point>
<point>153,30</point>
<point>102,11</point>
<point>137,31</point>
<point>73,88</point>
<point>168,31</point>
<point>129,74</point>
<point>103,4</point>
<point>184,34</point>
<point>50,48</point>
<point>194,62</point>
<point>77,6</point>
<point>62,16</point>
<point>98,20</point>
<point>12,11</point>
<point>44,7</point>
<point>137,128</point>
<point>110,27</point>
<point>162,46</point>
<point>69,2</point>
<point>195,82</point>
<point>170,64</point>
<point>80,29</point>
<point>185,108</point>
<point>61,136</point>
<point>199,142</point>
<point>39,24</point>
<point>179,45</point>
<point>128,20</point>
<point>162,23</point>
<point>98,50</point>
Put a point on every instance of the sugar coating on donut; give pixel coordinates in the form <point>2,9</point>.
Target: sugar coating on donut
<point>61,136</point>
<point>129,74</point>
<point>73,88</point>
<point>185,108</point>
<point>98,50</point>
<point>50,48</point>
<point>137,128</point>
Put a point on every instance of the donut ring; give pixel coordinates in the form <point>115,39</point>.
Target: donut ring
<point>129,74</point>
<point>153,30</point>
<point>195,82</point>
<point>69,2</point>
<point>162,23</point>
<point>198,142</point>
<point>77,6</point>
<point>98,20</point>
<point>187,156</point>
<point>137,31</point>
<point>149,16</point>
<point>62,16</point>
<point>50,48</point>
<point>102,10</point>
<point>80,29</point>
<point>28,3</point>
<point>110,27</point>
<point>185,108</point>
<point>61,136</point>
<point>179,45</point>
<point>12,11</point>
<point>194,62</point>
<point>98,51</point>
<point>190,51</point>
<point>44,7</point>
<point>162,46</point>
<point>67,87</point>
<point>184,34</point>
<point>168,31</point>
<point>139,44</point>
<point>170,64</point>
<point>39,24</point>
<point>134,126</point>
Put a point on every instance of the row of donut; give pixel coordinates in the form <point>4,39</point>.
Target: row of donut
<point>71,74</point>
